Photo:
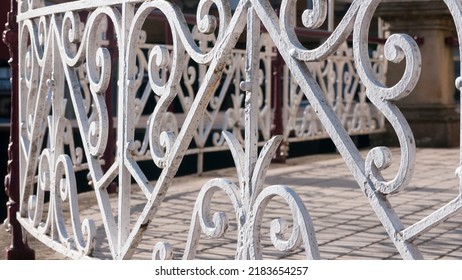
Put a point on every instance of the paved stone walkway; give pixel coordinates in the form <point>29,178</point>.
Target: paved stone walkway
<point>346,227</point>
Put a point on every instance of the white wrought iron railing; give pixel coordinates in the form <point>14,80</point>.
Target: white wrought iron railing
<point>345,94</point>
<point>218,116</point>
<point>336,74</point>
<point>65,65</point>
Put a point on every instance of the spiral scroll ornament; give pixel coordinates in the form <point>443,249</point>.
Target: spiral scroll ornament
<point>56,177</point>
<point>249,213</point>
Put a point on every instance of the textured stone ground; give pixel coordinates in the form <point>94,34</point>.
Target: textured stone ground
<point>346,227</point>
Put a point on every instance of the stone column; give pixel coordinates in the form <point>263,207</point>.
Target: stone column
<point>430,109</point>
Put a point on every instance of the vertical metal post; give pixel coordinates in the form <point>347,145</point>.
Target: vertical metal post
<point>331,16</point>
<point>18,249</point>
<point>109,154</point>
<point>277,74</point>
<point>380,28</point>
<point>276,95</point>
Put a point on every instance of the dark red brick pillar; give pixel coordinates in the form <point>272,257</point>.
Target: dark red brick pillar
<point>18,249</point>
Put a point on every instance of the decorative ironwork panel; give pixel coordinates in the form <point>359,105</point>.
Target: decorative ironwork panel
<point>345,93</point>
<point>337,74</point>
<point>65,71</point>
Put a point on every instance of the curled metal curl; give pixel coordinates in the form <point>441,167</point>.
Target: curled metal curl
<point>58,177</point>
<point>35,44</point>
<point>214,225</point>
<point>36,202</point>
<point>160,142</point>
<point>84,234</point>
<point>102,62</point>
<point>43,31</point>
<point>207,23</point>
<point>182,34</point>
<point>278,229</point>
<point>166,66</point>
<point>71,37</point>
<point>315,17</point>
<point>79,44</point>
<point>379,159</point>
<point>159,60</point>
<point>162,251</point>
<point>397,47</point>
<point>302,230</point>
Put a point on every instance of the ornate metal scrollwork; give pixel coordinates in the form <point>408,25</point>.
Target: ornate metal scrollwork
<point>65,60</point>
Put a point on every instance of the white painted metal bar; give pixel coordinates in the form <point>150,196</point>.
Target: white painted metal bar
<point>331,15</point>
<point>441,215</point>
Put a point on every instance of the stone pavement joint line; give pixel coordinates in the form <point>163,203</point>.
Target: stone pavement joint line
<point>346,227</point>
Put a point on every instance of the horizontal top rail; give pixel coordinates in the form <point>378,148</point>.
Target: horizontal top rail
<point>62,7</point>
<point>70,6</point>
